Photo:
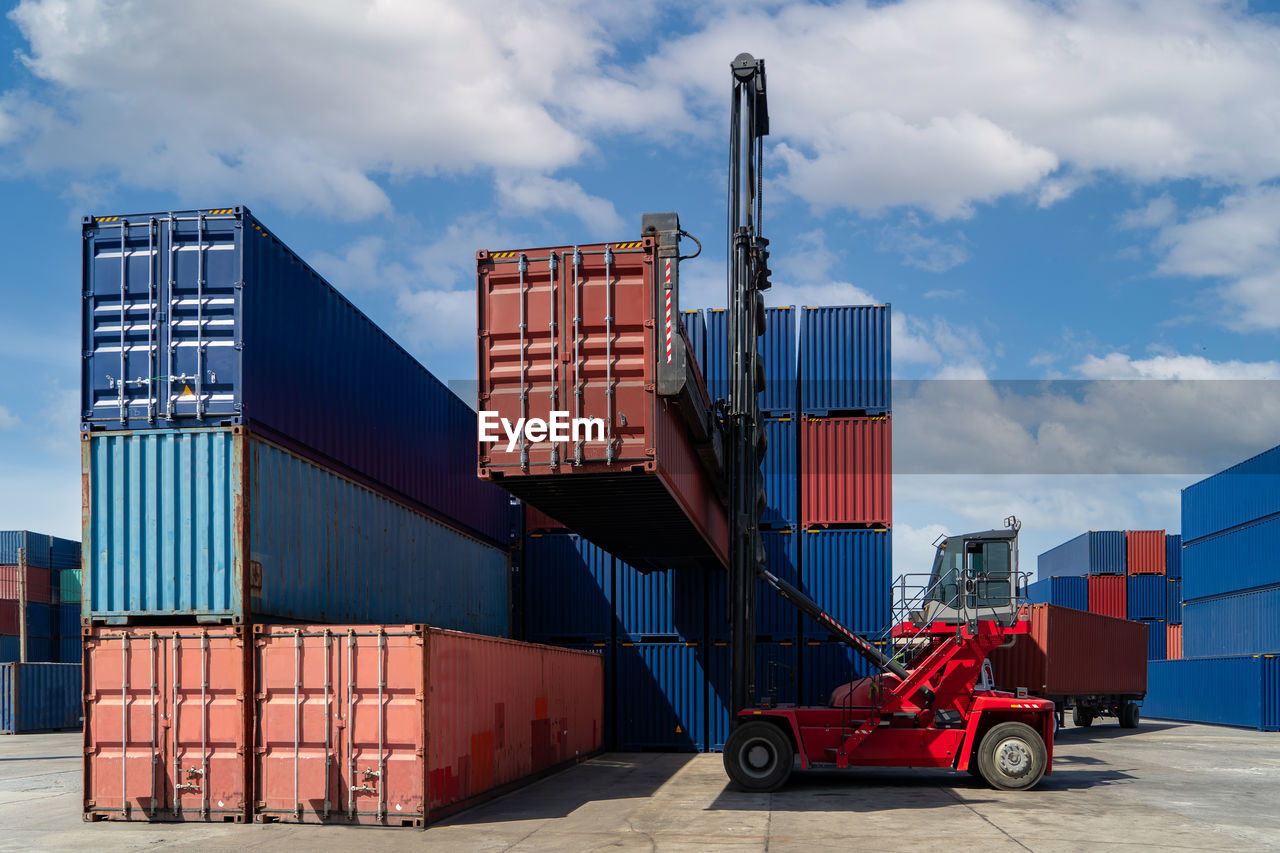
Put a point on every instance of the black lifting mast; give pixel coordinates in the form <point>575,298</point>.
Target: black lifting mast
<point>745,445</point>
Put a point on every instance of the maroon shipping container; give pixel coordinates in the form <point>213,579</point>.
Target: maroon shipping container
<point>9,617</point>
<point>38,590</point>
<point>536,521</point>
<point>1109,595</point>
<point>1145,551</point>
<point>593,332</point>
<point>166,723</point>
<point>1173,642</point>
<point>846,472</point>
<point>1072,653</point>
<point>401,725</point>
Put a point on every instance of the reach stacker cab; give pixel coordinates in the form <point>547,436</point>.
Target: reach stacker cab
<point>932,704</point>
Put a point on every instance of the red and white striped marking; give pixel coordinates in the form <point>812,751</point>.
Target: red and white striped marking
<point>668,285</point>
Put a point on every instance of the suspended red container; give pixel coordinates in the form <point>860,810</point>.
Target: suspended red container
<point>536,521</point>
<point>1173,642</point>
<point>846,472</point>
<point>1109,595</point>
<point>1145,552</point>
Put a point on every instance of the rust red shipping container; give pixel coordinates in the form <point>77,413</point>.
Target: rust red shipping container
<point>1109,595</point>
<point>846,472</point>
<point>1072,652</point>
<point>391,725</point>
<point>1173,642</point>
<point>1145,551</point>
<point>39,588</point>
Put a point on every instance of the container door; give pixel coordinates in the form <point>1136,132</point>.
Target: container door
<point>209,727</point>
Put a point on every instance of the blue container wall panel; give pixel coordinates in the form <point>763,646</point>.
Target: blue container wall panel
<point>716,351</point>
<point>64,554</point>
<point>781,475</point>
<point>69,650</point>
<point>37,545</point>
<point>777,353</point>
<point>1227,691</point>
<point>1064,592</point>
<point>1245,558</point>
<point>1239,495</point>
<point>39,649</point>
<point>266,342</point>
<point>695,329</point>
<point>1173,612</point>
<point>69,620</point>
<point>8,648</point>
<point>568,588</point>
<point>845,360</point>
<point>826,666</point>
<point>1098,552</point>
<point>39,697</point>
<point>670,603</point>
<point>41,620</point>
<point>661,697</point>
<point>1157,639</point>
<point>1242,623</point>
<point>776,618</point>
<point>848,572</point>
<point>1173,555</point>
<point>777,676</point>
<point>1147,597</point>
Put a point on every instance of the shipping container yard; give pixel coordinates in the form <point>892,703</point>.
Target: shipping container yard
<point>656,553</point>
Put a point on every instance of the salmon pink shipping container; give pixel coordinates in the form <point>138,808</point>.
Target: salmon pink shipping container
<point>1173,642</point>
<point>846,471</point>
<point>1074,653</point>
<point>401,725</point>
<point>166,724</point>
<point>1109,595</point>
<point>593,333</point>
<point>1145,551</point>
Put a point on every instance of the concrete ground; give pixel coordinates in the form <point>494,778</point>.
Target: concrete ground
<point>1167,786</point>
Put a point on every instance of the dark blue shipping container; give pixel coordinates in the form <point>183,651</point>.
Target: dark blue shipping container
<point>64,554</point>
<point>695,327</point>
<point>1241,494</point>
<point>68,620</point>
<point>826,666</point>
<point>568,589</point>
<point>39,697</point>
<point>1244,558</point>
<point>8,648</point>
<point>69,650</point>
<point>776,619</point>
<point>777,353</point>
<point>1227,691</point>
<point>1157,639</point>
<point>1098,552</point>
<point>1064,592</point>
<point>661,697</point>
<point>204,318</point>
<point>1148,597</point>
<point>844,360</point>
<point>1173,555</point>
<point>715,352</point>
<point>1238,623</point>
<point>781,483</point>
<point>848,572</point>
<point>39,649</point>
<point>41,620</point>
<point>668,604</point>
<point>1173,612</point>
<point>777,677</point>
<point>37,545</point>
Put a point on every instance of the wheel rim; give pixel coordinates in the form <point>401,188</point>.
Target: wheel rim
<point>758,758</point>
<point>1014,758</point>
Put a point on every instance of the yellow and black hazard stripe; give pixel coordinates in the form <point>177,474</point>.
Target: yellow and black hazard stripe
<point>502,255</point>
<point>636,245</point>
<point>220,212</point>
<point>106,219</point>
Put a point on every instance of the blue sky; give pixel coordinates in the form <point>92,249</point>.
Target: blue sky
<point>1080,191</point>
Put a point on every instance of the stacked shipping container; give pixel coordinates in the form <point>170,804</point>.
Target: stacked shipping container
<point>34,569</point>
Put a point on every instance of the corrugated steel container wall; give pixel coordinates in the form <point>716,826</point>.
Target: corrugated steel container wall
<point>283,352</point>
<point>1065,592</point>
<point>1071,652</point>
<point>666,604</point>
<point>1242,559</point>
<point>39,697</point>
<point>38,547</point>
<point>661,697</point>
<point>38,581</point>
<point>1227,691</point>
<point>9,648</point>
<point>69,620</point>
<point>9,617</point>
<point>165,533</point>
<point>568,589</point>
<point>848,572</point>
<point>166,724</point>
<point>715,351</point>
<point>1173,555</point>
<point>777,677</point>
<point>431,720</point>
<point>1145,552</point>
<point>69,650</point>
<point>1173,612</point>
<point>825,666</point>
<point>1239,495</point>
<point>1173,641</point>
<point>1098,552</point>
<point>846,471</point>
<point>695,329</point>
<point>777,353</point>
<point>64,554</point>
<point>1147,597</point>
<point>782,511</point>
<point>845,360</point>
<point>1109,596</point>
<point>1157,637</point>
<point>69,586</point>
<point>776,619</point>
<point>41,620</point>
<point>1241,623</point>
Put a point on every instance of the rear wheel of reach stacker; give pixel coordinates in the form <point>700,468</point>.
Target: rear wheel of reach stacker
<point>1012,757</point>
<point>758,756</point>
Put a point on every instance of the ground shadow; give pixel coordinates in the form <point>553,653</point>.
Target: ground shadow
<point>1093,734</point>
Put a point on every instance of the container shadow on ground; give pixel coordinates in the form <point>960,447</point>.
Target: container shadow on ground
<point>1093,734</point>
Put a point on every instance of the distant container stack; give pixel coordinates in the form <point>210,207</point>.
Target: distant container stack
<point>42,571</point>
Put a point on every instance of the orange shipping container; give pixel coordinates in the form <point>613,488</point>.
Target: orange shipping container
<point>1109,595</point>
<point>1145,552</point>
<point>401,725</point>
<point>1173,642</point>
<point>846,472</point>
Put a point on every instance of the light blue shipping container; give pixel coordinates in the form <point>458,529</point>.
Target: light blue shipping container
<point>215,526</point>
<point>1237,623</point>
<point>781,480</point>
<point>661,697</point>
<point>1243,558</point>
<point>1173,612</point>
<point>1227,691</point>
<point>777,676</point>
<point>1070,592</point>
<point>1098,552</point>
<point>1241,494</point>
<point>845,360</point>
<point>39,697</point>
<point>37,545</point>
<point>848,572</point>
<point>1148,597</point>
<point>568,589</point>
<point>1173,555</point>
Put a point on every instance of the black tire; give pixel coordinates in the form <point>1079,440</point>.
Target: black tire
<point>1130,715</point>
<point>1012,757</point>
<point>758,756</point>
<point>1081,717</point>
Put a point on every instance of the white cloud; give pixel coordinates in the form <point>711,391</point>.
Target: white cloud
<point>538,193</point>
<point>1156,213</point>
<point>8,419</point>
<point>1117,365</point>
<point>932,254</point>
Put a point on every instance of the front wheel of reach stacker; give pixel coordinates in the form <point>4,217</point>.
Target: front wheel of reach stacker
<point>1012,757</point>
<point>758,756</point>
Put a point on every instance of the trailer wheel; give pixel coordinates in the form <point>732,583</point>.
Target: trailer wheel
<point>1081,717</point>
<point>758,756</point>
<point>1129,716</point>
<point>1012,757</point>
